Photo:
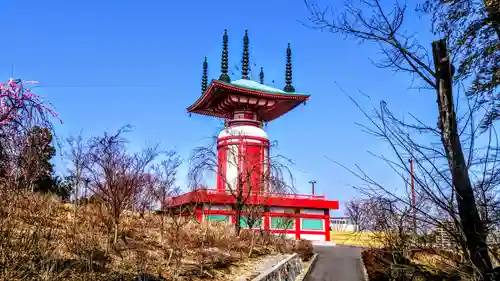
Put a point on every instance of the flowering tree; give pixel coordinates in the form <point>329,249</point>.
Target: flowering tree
<point>20,107</point>
<point>20,111</point>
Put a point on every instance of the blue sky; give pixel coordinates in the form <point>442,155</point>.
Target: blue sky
<point>104,64</point>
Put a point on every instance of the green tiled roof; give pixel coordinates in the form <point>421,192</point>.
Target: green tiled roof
<point>252,85</point>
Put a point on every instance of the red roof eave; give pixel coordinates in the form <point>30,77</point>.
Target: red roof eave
<point>217,84</point>
<point>208,93</point>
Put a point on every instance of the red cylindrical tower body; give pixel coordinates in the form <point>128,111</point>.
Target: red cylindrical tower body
<point>243,154</point>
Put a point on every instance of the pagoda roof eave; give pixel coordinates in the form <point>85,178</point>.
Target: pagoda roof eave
<point>197,107</point>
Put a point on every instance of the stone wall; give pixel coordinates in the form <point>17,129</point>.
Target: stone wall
<point>286,270</point>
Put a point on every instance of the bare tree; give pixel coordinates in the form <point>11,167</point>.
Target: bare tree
<point>143,199</point>
<point>165,184</point>
<point>252,216</point>
<point>357,211</point>
<point>472,31</point>
<point>436,206</point>
<point>115,174</point>
<point>77,153</point>
<point>35,151</point>
<point>404,53</point>
<point>284,224</point>
<point>256,179</point>
<point>176,234</point>
<point>390,223</point>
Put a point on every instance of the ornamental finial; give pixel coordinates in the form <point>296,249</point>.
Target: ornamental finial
<point>204,77</point>
<point>245,60</point>
<point>224,61</point>
<point>261,75</point>
<point>288,73</point>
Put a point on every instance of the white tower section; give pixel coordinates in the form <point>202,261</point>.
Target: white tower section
<point>243,157</point>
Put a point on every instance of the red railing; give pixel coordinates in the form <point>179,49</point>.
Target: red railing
<point>266,194</point>
<point>199,193</point>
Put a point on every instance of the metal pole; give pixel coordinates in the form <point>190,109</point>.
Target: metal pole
<point>312,185</point>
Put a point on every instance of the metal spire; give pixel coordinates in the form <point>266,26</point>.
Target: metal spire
<point>204,78</point>
<point>288,73</point>
<point>261,75</point>
<point>245,59</point>
<point>224,61</point>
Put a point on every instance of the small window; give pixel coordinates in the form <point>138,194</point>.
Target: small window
<point>282,223</point>
<point>312,224</point>
<point>245,222</point>
<point>217,218</point>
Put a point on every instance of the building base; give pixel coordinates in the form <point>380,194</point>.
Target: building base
<point>295,216</point>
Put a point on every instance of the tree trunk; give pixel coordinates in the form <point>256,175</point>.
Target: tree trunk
<point>492,7</point>
<point>162,214</point>
<point>162,227</point>
<point>237,216</point>
<point>252,243</point>
<point>473,228</point>
<point>115,237</point>
<point>75,200</point>
<point>76,194</point>
<point>202,262</point>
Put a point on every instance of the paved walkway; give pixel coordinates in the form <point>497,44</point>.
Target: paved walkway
<point>337,263</point>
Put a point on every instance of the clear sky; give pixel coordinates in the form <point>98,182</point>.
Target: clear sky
<point>104,64</point>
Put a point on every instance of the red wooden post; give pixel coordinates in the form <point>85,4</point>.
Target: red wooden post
<point>297,224</point>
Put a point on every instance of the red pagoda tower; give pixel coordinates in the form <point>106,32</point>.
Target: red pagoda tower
<point>243,146</point>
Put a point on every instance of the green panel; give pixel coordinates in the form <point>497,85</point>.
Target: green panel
<point>282,223</point>
<point>217,218</point>
<point>313,224</point>
<point>244,222</point>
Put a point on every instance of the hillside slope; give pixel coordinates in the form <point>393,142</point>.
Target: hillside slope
<point>41,239</point>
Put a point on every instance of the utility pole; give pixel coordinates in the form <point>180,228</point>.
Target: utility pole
<point>312,185</point>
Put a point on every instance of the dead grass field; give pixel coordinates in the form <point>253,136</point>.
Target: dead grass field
<point>40,239</point>
<point>361,239</point>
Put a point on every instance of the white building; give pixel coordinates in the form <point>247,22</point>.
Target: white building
<point>342,224</point>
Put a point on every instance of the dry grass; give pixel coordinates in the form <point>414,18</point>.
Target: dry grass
<point>40,239</point>
<point>361,239</point>
<point>432,260</point>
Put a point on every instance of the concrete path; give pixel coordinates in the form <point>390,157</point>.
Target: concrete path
<point>337,263</point>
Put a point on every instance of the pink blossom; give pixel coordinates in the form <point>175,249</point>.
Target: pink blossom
<point>18,104</point>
